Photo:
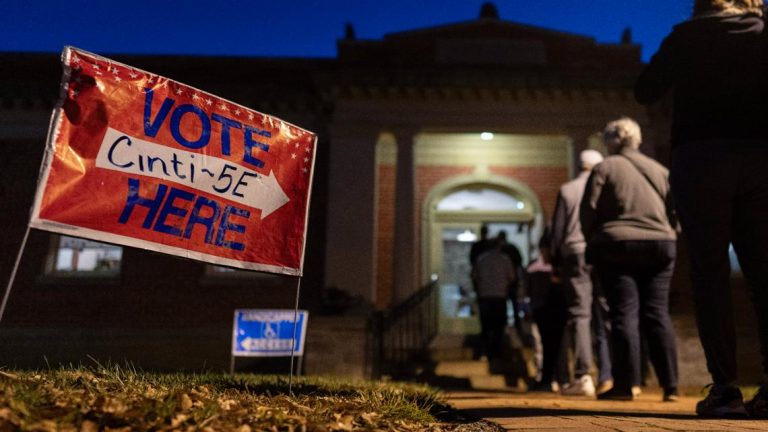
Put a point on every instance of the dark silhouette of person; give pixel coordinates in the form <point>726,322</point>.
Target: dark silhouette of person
<point>510,250</point>
<point>481,245</point>
<point>715,67</point>
<point>548,305</point>
<point>493,272</point>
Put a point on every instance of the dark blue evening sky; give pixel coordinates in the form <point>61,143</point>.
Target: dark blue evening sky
<point>308,28</point>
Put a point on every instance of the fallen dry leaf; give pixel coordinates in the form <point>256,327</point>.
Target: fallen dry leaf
<point>178,420</point>
<point>227,404</point>
<point>89,426</point>
<point>9,376</point>
<point>185,402</point>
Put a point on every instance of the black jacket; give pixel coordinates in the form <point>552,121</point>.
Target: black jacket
<point>716,67</point>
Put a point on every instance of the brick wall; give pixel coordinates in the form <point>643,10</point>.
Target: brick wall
<point>544,181</point>
<point>385,235</point>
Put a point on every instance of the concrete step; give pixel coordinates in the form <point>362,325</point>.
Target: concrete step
<point>451,354</point>
<point>498,382</point>
<point>489,382</point>
<point>472,368</point>
<point>462,369</point>
<point>452,357</point>
<point>481,375</point>
<point>451,347</point>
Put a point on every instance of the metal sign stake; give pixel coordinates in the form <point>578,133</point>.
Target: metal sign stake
<point>13,273</point>
<point>293,343</point>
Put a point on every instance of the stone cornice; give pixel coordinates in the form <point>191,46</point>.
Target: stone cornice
<point>481,94</point>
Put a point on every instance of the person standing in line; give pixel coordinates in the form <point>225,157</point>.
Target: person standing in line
<point>568,248</point>
<point>493,272</point>
<point>481,245</point>
<point>478,248</point>
<point>625,218</point>
<point>549,313</point>
<point>716,67</point>
<point>510,250</point>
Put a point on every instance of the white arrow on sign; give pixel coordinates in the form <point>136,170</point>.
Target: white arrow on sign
<point>270,196</point>
<point>206,173</point>
<point>247,344</point>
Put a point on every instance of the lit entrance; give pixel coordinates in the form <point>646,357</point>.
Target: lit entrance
<point>456,218</point>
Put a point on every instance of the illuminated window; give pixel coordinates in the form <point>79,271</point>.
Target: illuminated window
<point>480,199</point>
<point>75,256</point>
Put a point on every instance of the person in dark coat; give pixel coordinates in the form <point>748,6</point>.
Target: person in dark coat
<point>481,245</point>
<point>548,303</point>
<point>493,272</point>
<point>714,65</point>
<point>513,253</point>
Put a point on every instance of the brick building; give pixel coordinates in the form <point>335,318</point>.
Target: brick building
<point>424,135</point>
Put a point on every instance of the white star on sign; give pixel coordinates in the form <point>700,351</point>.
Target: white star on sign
<point>306,159</point>
<point>151,79</point>
<point>237,112</point>
<point>297,145</point>
<point>208,102</point>
<point>179,91</point>
<point>118,79</point>
<point>75,60</point>
<point>133,75</point>
<point>293,155</point>
<point>306,149</point>
<point>223,107</point>
<point>250,116</point>
<point>115,71</point>
<point>305,170</point>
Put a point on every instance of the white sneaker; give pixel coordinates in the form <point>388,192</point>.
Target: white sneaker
<point>583,386</point>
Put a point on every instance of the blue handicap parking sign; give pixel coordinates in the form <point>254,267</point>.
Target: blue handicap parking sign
<point>268,332</point>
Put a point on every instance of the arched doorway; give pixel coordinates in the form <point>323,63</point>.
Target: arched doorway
<point>455,210</point>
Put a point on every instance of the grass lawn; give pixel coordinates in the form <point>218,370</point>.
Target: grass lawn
<point>122,399</point>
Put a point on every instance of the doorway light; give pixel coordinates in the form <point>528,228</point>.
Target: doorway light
<point>486,136</point>
<point>520,205</point>
<point>466,236</point>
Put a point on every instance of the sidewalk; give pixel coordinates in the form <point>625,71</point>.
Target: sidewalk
<point>552,412</point>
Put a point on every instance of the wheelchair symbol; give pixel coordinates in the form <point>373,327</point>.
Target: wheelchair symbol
<point>269,332</point>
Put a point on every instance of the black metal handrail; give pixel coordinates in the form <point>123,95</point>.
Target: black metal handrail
<point>397,336</point>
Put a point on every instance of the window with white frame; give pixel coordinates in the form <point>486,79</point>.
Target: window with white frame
<point>75,256</point>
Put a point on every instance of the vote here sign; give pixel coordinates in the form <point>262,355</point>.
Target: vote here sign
<point>140,160</point>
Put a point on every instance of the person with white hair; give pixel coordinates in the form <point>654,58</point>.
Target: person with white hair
<point>630,231</point>
<point>567,248</point>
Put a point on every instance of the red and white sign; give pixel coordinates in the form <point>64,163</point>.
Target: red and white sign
<point>140,160</point>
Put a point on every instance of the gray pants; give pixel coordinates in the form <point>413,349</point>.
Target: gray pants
<point>578,287</point>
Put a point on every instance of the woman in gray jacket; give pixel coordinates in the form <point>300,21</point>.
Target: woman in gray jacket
<point>631,242</point>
